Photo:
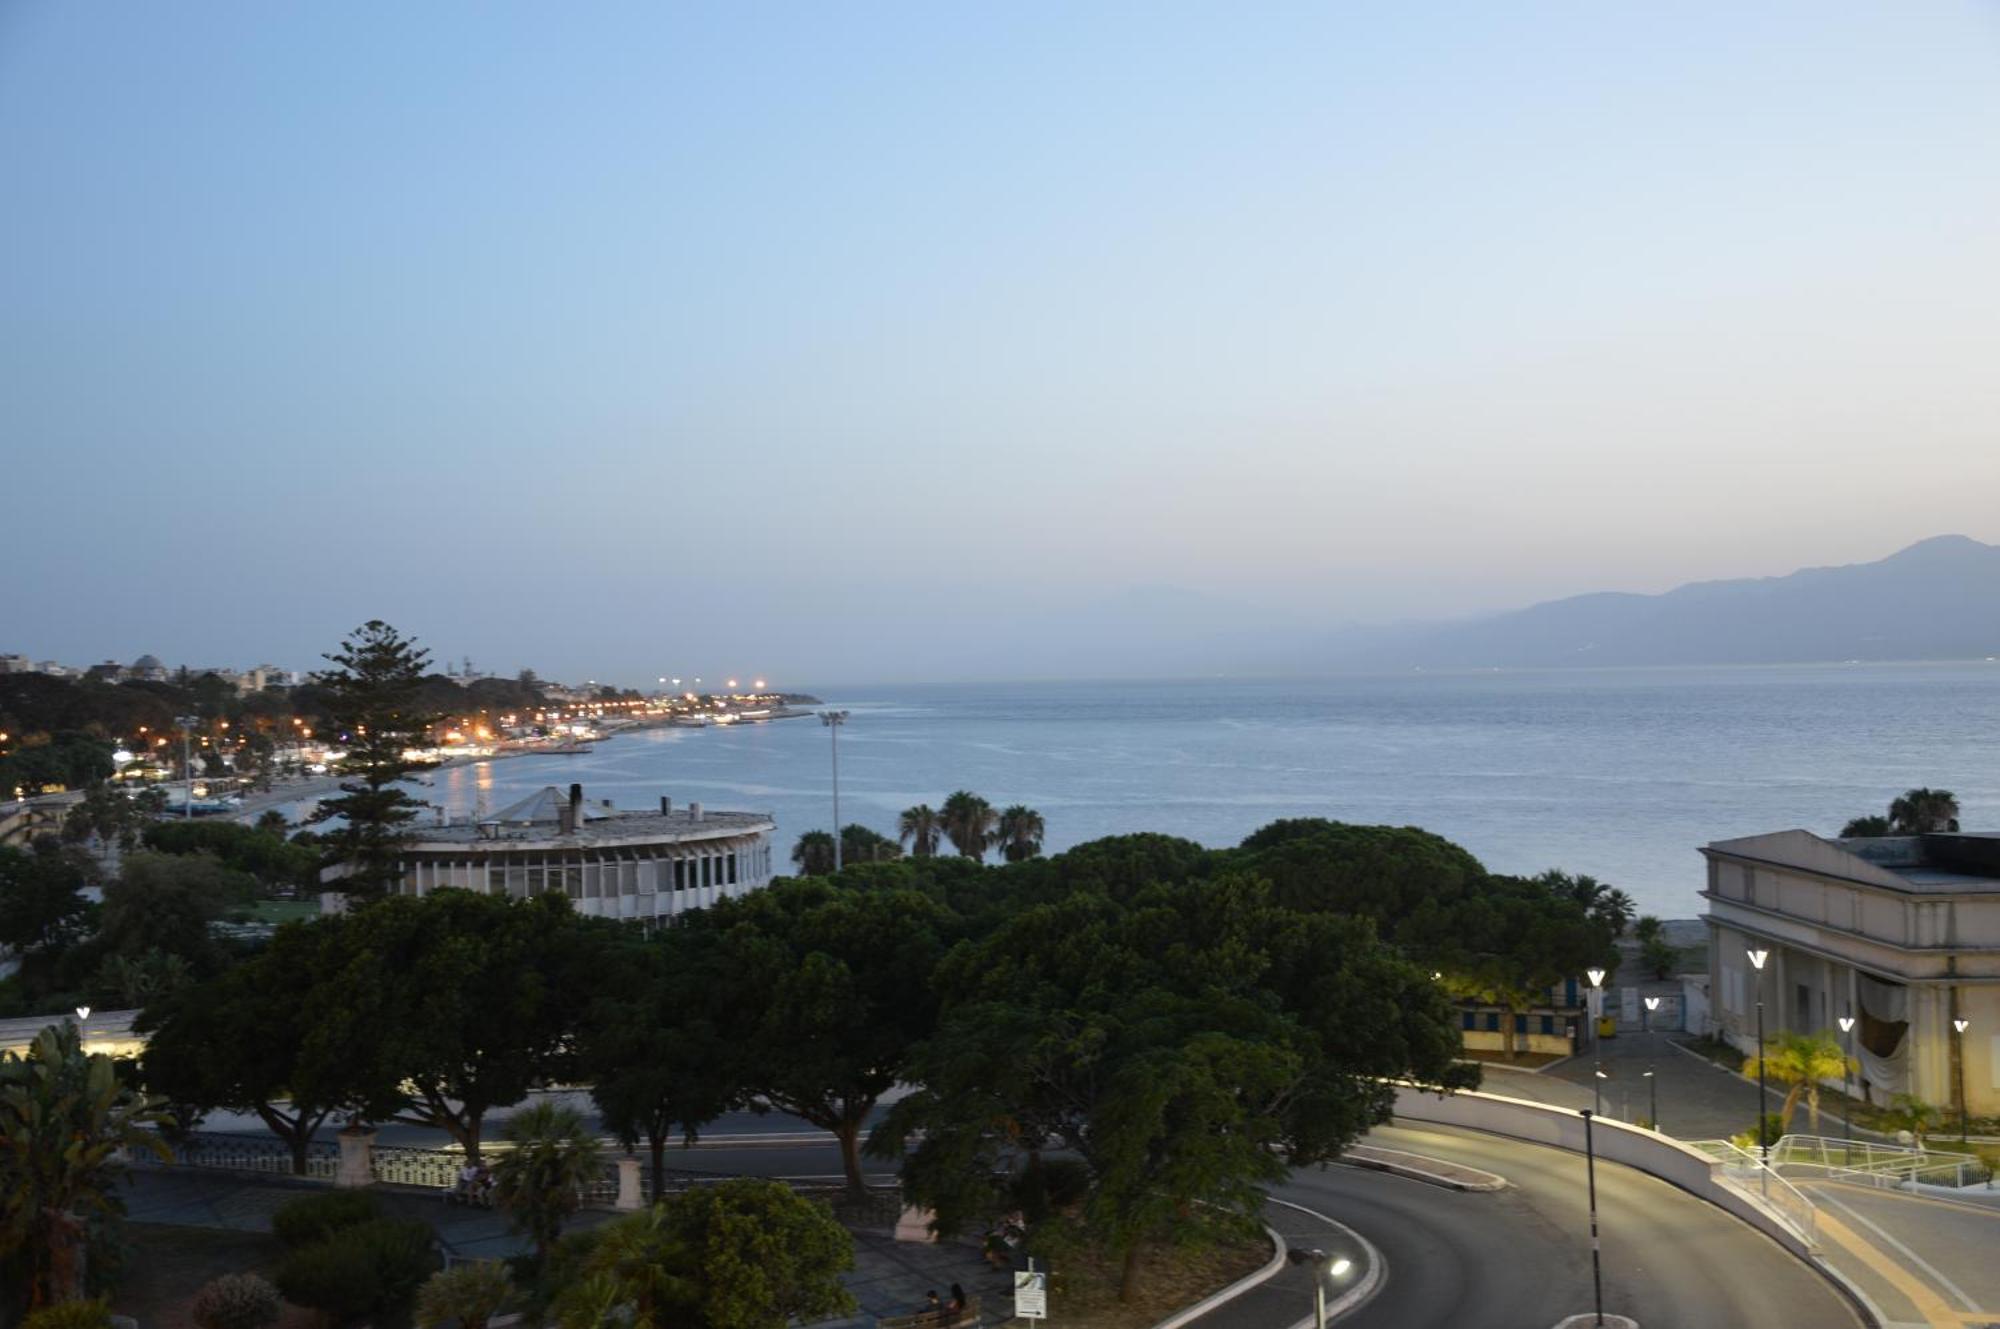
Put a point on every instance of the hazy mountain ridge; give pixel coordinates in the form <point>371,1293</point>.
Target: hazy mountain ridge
<point>1937,599</point>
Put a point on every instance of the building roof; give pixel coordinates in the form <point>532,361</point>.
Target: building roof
<point>1944,863</point>
<point>536,822</point>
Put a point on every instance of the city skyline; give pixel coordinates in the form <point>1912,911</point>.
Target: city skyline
<point>851,339</point>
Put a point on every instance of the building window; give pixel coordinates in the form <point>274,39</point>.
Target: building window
<point>1466,1020</point>
<point>1548,1024</point>
<point>1492,1022</point>
<point>732,867</point>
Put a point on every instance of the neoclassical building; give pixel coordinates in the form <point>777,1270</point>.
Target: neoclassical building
<point>1902,933</point>
<point>641,866</point>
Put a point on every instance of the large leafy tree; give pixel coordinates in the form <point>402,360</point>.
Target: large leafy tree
<point>653,1044</point>
<point>1020,833</point>
<point>261,1037</point>
<point>920,828</point>
<point>373,697</point>
<point>65,1121</point>
<point>1185,1045</point>
<point>745,1254</point>
<point>540,1181</point>
<point>969,823</point>
<point>862,844</point>
<point>113,814</point>
<point>828,990</point>
<point>813,854</point>
<point>166,902</point>
<point>42,905</point>
<point>471,1001</point>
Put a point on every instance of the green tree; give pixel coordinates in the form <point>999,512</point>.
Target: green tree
<point>921,828</point>
<point>541,1180</point>
<point>471,1000</point>
<point>745,1254</point>
<point>969,823</point>
<point>42,905</point>
<point>1647,927</point>
<point>1658,957</point>
<point>813,854</point>
<point>859,844</point>
<point>828,989</point>
<point>652,1045</point>
<point>1799,1061</point>
<point>469,1294</point>
<point>1924,811</point>
<point>167,902</point>
<point>1020,833</point>
<point>1604,903</point>
<point>263,1037</point>
<point>372,700</point>
<point>1867,828</point>
<point>113,814</point>
<point>65,1121</point>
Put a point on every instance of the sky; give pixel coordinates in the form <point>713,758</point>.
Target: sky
<point>867,342</point>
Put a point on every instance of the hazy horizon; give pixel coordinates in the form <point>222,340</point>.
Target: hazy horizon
<point>878,343</point>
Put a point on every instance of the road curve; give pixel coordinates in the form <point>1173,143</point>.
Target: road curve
<point>1519,1258</point>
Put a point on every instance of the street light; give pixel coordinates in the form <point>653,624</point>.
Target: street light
<point>1757,958</point>
<point>1597,1080</point>
<point>1958,1025</point>
<point>1847,1079</point>
<point>1596,977</point>
<point>833,720</point>
<point>1652,1004</point>
<point>1590,1164</point>
<point>1652,1097</point>
<point>1317,1259</point>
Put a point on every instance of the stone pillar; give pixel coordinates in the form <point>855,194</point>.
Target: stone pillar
<point>357,1157</point>
<point>914,1224</point>
<point>631,1195</point>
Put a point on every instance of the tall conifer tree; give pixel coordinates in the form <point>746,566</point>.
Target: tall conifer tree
<point>374,698</point>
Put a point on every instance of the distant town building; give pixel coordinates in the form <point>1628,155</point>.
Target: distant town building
<point>640,866</point>
<point>147,669</point>
<point>1901,933</point>
<point>16,664</point>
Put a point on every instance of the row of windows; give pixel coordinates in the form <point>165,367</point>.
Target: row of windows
<point>592,878</point>
<point>1490,1021</point>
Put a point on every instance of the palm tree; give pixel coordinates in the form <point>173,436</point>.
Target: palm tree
<point>813,854</point>
<point>1020,833</point>
<point>1866,828</point>
<point>64,1120</point>
<point>541,1180</point>
<point>628,1272</point>
<point>969,822</point>
<point>859,844</point>
<point>1801,1061</point>
<point>1604,903</point>
<point>921,828</point>
<point>1922,811</point>
<point>470,1293</point>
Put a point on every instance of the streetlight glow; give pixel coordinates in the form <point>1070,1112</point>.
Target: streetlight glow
<point>1960,1025</point>
<point>1596,977</point>
<point>1757,958</point>
<point>83,1012</point>
<point>1846,1022</point>
<point>1340,1267</point>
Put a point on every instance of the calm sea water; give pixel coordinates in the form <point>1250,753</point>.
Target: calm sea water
<point>1619,773</point>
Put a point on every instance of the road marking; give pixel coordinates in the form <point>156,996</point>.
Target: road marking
<point>1937,1313</point>
<point>1913,1257</point>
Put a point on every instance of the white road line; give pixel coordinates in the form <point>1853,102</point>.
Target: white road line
<point>1371,1282</point>
<point>1914,1258</point>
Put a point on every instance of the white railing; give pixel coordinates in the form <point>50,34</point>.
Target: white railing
<point>1867,1163</point>
<point>1744,1170</point>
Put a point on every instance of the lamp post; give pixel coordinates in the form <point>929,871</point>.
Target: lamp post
<point>1590,1166</point>
<point>1847,1079</point>
<point>1596,977</point>
<point>1757,958</point>
<point>1652,1004</point>
<point>833,720</point>
<point>1958,1025</point>
<point>187,724</point>
<point>1652,1097</point>
<point>1322,1268</point>
<point>1597,1079</point>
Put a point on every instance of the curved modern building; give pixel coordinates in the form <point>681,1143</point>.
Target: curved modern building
<point>641,866</point>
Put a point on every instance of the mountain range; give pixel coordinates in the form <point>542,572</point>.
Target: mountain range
<point>1938,599</point>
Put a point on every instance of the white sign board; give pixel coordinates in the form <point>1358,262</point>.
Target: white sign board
<point>1031,1295</point>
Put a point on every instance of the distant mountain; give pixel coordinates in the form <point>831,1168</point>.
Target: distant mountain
<point>1939,599</point>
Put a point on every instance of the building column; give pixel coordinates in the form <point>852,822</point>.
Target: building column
<point>357,1158</point>
<point>631,1195</point>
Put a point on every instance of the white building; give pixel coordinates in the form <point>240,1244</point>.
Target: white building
<point>612,864</point>
<point>1902,933</point>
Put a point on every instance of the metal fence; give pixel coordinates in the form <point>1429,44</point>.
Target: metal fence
<point>248,1153</point>
<point>1748,1174</point>
<point>1867,1163</point>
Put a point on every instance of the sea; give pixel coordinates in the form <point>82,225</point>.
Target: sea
<point>1622,774</point>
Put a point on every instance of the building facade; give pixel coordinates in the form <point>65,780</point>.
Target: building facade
<point>1901,933</point>
<point>640,866</point>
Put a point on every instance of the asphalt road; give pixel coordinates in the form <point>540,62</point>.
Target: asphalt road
<point>1519,1258</point>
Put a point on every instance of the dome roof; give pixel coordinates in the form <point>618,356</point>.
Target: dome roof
<point>148,662</point>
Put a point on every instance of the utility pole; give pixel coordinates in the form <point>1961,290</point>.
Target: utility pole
<point>1596,1265</point>
<point>187,724</point>
<point>833,720</point>
<point>1847,1081</point>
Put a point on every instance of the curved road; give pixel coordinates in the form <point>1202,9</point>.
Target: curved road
<point>1519,1258</point>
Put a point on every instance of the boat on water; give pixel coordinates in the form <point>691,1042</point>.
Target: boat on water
<point>564,749</point>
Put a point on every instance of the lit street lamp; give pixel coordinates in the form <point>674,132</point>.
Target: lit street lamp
<point>1757,958</point>
<point>833,720</point>
<point>1322,1269</point>
<point>1958,1025</point>
<point>1847,1078</point>
<point>1597,1079</point>
<point>1652,1004</point>
<point>1596,977</point>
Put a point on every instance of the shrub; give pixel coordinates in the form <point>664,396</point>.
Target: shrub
<point>236,1301</point>
<point>471,1294</point>
<point>71,1315</point>
<point>316,1217</point>
<point>371,1266</point>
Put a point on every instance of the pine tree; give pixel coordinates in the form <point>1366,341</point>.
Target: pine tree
<point>373,698</point>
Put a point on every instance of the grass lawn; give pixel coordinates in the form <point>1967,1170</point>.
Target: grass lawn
<point>283,911</point>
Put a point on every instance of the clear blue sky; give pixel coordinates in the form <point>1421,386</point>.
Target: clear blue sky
<point>848,340</point>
